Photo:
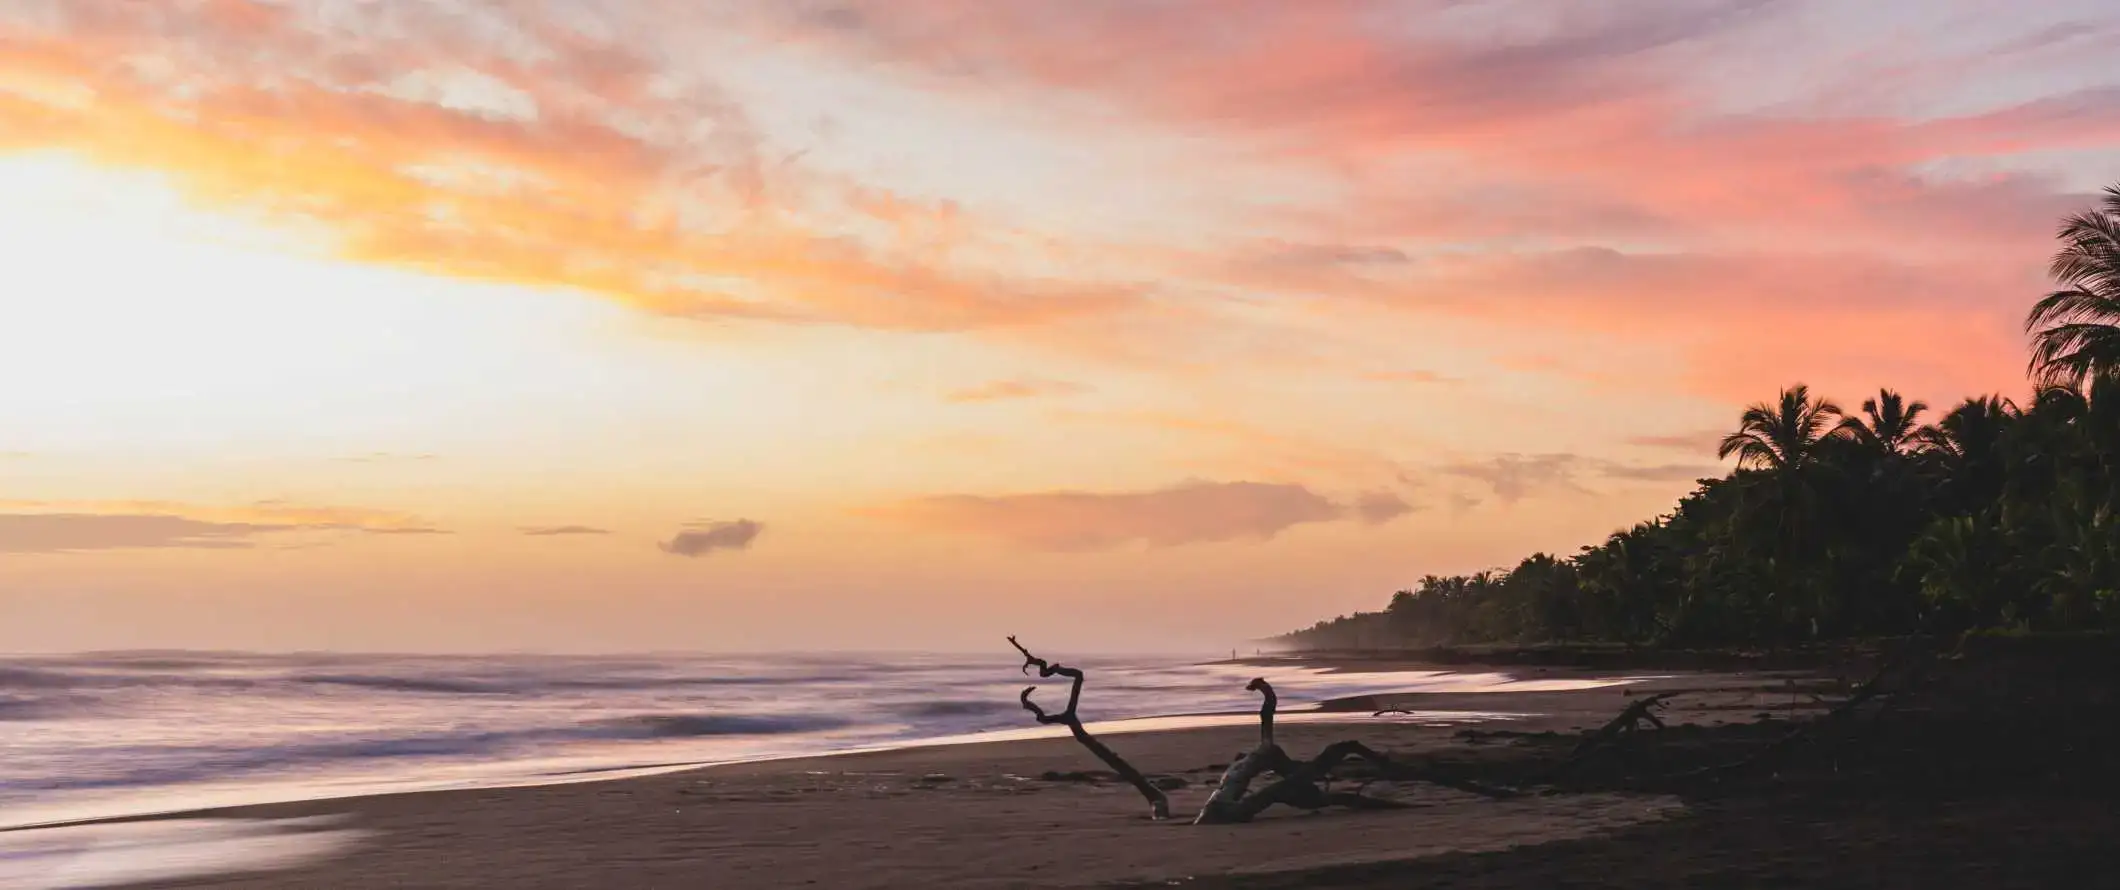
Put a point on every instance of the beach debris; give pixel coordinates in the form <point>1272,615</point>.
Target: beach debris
<point>1912,662</point>
<point>1305,784</point>
<point>1159,804</point>
<point>1615,731</point>
<point>1630,720</point>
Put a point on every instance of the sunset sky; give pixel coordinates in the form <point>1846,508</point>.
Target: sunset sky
<point>720,324</point>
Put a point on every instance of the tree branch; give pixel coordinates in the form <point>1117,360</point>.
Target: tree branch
<point>1159,804</point>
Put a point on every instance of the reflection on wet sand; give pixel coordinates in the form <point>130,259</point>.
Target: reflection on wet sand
<point>118,853</point>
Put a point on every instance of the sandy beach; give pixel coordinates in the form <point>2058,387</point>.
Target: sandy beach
<point>1037,813</point>
<point>968,815</point>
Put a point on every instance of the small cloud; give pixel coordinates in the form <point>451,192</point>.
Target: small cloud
<point>701,538</point>
<point>1412,376</point>
<point>16,455</point>
<point>1460,502</point>
<point>1020,388</point>
<point>1703,441</point>
<point>1515,476</point>
<point>1659,472</point>
<point>1334,255</point>
<point>549,530</point>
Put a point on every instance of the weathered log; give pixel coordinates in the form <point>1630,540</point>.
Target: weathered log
<point>1302,783</point>
<point>1246,767</point>
<point>1159,804</point>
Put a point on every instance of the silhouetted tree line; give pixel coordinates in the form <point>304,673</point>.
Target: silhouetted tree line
<point>1837,524</point>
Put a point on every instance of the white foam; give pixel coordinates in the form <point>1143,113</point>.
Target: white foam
<point>113,854</point>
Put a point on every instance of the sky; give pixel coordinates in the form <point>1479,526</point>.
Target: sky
<point>1116,324</point>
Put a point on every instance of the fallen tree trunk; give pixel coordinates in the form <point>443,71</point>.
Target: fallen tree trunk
<point>1158,802</point>
<point>1302,783</point>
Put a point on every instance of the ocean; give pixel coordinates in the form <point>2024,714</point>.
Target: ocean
<point>95,735</point>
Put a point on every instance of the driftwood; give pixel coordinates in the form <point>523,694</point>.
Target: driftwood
<point>1303,784</point>
<point>1630,721</point>
<point>1869,690</point>
<point>1159,804</point>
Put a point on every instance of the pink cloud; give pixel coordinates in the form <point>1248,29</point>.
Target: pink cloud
<point>1189,513</point>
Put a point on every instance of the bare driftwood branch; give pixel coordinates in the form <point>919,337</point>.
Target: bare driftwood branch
<point>1159,804</point>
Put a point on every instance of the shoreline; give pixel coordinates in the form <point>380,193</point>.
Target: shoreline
<point>238,791</point>
<point>960,789</point>
<point>1987,773</point>
<point>1340,711</point>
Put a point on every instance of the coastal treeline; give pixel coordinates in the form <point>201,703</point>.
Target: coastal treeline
<point>1889,518</point>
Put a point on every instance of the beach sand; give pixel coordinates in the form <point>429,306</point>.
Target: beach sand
<point>987,816</point>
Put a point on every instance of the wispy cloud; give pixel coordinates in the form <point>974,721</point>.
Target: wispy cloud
<point>64,527</point>
<point>1514,477</point>
<point>1411,376</point>
<point>1379,507</point>
<point>557,530</point>
<point>1702,442</point>
<point>380,457</point>
<point>701,538</point>
<point>1019,388</point>
<point>75,532</point>
<point>1189,513</point>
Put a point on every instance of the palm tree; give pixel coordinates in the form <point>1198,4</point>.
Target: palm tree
<point>1780,435</point>
<point>1966,449</point>
<point>1972,431</point>
<point>1889,423</point>
<point>2076,330</point>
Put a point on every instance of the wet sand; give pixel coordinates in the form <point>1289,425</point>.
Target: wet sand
<point>976,815</point>
<point>1005,815</point>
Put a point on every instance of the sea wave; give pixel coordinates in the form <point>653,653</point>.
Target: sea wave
<point>405,684</point>
<point>970,707</point>
<point>688,725</point>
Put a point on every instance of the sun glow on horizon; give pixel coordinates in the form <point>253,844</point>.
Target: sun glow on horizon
<point>1217,315</point>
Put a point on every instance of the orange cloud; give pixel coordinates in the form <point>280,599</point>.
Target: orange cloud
<point>1581,168</point>
<point>1193,512</point>
<point>556,530</point>
<point>416,140</point>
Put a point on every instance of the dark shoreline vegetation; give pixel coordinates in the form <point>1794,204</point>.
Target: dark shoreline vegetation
<point>1836,525</point>
<point>1987,766</point>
